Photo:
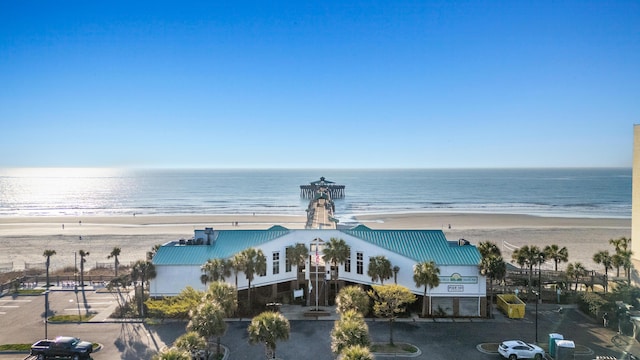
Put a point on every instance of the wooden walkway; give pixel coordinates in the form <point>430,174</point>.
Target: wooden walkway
<point>321,217</point>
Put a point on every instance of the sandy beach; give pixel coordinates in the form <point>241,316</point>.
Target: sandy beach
<point>23,239</point>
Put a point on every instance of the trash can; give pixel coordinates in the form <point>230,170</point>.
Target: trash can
<point>565,350</point>
<point>552,343</point>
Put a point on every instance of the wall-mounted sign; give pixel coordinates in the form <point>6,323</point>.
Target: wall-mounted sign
<point>455,288</point>
<point>456,278</point>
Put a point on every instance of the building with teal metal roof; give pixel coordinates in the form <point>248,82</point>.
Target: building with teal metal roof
<point>462,289</point>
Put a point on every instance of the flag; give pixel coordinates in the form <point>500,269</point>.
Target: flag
<point>317,257</point>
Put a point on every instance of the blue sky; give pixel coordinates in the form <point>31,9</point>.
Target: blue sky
<point>318,84</point>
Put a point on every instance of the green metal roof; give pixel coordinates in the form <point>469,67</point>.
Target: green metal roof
<point>419,245</point>
<point>226,244</point>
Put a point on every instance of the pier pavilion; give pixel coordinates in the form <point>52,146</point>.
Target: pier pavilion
<point>335,191</point>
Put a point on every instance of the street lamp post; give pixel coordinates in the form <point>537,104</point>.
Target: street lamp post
<point>539,294</point>
<point>46,313</point>
<point>75,270</point>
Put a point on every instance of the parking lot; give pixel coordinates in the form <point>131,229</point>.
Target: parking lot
<point>22,322</point>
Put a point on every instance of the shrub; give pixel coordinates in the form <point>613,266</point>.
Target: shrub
<point>591,303</point>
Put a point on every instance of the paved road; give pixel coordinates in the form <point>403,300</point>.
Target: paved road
<point>21,322</point>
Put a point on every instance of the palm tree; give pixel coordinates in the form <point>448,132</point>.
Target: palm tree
<point>297,255</point>
<point>620,244</point>
<point>48,254</point>
<point>488,248</point>
<point>617,261</point>
<point>208,321</point>
<point>529,256</point>
<point>215,270</point>
<point>151,253</point>
<point>191,342</point>
<point>576,270</point>
<point>379,269</point>
<point>626,263</point>
<point>352,298</point>
<point>83,254</point>
<point>268,328</point>
<point>426,274</point>
<point>114,254</point>
<point>556,254</point>
<point>336,252</point>
<point>356,352</point>
<point>253,262</point>
<point>493,267</point>
<point>349,330</point>
<point>603,257</point>
<point>518,257</point>
<point>237,264</point>
<point>225,295</point>
<point>143,271</point>
<point>172,354</point>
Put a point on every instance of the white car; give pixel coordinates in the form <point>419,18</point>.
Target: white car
<point>518,349</point>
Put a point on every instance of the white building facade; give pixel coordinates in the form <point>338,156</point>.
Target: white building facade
<point>462,289</point>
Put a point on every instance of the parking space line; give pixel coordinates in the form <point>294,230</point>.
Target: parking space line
<point>9,306</point>
<point>14,300</point>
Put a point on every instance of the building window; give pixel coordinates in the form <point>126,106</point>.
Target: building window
<point>359,263</point>
<point>287,264</point>
<point>276,263</point>
<point>347,264</point>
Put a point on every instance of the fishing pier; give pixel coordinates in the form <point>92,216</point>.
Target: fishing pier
<point>321,207</point>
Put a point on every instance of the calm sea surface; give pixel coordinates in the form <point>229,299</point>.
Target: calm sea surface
<point>545,192</point>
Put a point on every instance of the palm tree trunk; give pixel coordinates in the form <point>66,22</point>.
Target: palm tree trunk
<point>335,285</point>
<point>48,262</point>
<point>249,295</point>
<point>491,297</point>
<point>142,298</point>
<point>529,284</point>
<point>424,302</point>
<point>430,306</point>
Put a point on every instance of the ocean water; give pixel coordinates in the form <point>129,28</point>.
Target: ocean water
<point>543,192</point>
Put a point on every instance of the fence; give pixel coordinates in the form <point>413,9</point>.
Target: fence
<point>57,280</point>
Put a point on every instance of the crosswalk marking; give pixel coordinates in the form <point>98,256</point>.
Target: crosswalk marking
<point>9,306</point>
<point>14,300</point>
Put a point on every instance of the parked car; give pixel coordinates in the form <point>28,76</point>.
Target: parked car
<point>518,349</point>
<point>63,347</point>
